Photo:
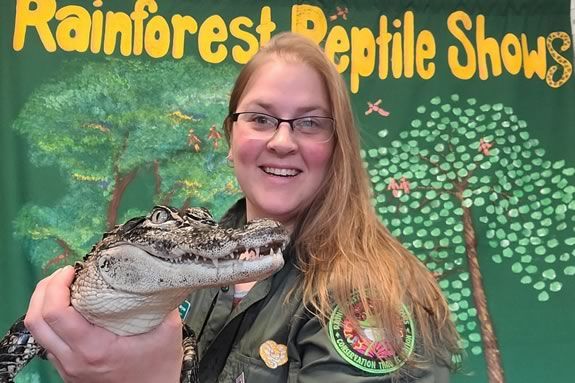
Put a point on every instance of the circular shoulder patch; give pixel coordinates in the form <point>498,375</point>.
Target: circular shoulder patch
<point>363,349</point>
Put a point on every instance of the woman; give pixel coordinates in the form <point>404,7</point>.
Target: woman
<point>350,305</point>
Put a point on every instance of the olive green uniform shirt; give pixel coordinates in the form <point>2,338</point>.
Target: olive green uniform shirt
<point>229,338</point>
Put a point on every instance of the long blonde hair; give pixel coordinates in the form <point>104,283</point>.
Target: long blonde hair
<point>342,248</point>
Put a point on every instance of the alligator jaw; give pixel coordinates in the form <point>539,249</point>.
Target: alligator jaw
<point>127,268</point>
<point>178,256</point>
<point>122,295</point>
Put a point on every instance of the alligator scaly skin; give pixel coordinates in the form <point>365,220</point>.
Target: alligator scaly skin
<point>17,348</point>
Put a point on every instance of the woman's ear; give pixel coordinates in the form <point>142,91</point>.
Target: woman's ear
<point>230,158</point>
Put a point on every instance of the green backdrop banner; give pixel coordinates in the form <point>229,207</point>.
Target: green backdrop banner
<point>467,117</point>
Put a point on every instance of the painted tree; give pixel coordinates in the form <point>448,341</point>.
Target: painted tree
<point>463,170</point>
<point>103,124</point>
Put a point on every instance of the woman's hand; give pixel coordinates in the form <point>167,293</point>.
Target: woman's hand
<point>82,352</point>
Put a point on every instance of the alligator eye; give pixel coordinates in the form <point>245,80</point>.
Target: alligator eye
<point>159,216</point>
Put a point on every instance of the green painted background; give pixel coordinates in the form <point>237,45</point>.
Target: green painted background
<point>536,337</point>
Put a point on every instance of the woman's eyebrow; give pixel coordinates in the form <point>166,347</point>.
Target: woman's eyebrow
<point>260,104</point>
<point>313,108</point>
<point>299,111</point>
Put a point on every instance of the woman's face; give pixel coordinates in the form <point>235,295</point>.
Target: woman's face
<point>281,175</point>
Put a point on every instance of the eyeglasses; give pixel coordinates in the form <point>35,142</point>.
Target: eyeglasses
<point>309,128</point>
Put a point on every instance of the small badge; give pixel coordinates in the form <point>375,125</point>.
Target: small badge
<point>241,378</point>
<point>273,354</point>
<point>364,349</point>
<point>184,308</point>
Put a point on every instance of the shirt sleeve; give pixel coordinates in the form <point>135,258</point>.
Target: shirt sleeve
<point>322,361</point>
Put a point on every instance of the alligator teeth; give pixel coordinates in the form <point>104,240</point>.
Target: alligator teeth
<point>241,254</point>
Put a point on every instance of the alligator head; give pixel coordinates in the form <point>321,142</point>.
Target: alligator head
<point>143,269</point>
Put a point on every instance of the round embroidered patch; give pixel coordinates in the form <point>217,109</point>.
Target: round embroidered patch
<point>361,349</point>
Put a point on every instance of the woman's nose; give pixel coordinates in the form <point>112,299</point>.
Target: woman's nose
<point>283,141</point>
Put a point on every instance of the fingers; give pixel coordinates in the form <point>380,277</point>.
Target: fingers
<point>70,340</point>
<point>62,318</point>
<point>60,282</point>
<point>83,339</point>
<point>36,323</point>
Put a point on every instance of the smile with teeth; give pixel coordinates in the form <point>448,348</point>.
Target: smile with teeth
<point>281,172</point>
<point>239,254</point>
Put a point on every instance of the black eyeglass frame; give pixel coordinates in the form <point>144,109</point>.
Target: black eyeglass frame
<point>234,118</point>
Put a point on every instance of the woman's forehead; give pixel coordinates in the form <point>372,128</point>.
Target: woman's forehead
<point>279,85</point>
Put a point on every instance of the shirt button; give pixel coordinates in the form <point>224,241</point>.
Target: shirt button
<point>225,289</point>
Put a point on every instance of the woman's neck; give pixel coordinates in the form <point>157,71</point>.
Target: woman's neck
<point>244,287</point>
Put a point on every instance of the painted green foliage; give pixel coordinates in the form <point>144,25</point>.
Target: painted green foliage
<point>102,124</point>
<point>459,157</point>
<point>27,377</point>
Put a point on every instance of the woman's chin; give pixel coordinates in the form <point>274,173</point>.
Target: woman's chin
<point>281,212</point>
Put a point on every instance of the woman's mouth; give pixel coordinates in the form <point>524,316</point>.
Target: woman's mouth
<point>280,172</point>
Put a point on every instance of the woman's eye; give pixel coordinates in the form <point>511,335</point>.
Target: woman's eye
<point>262,120</point>
<point>307,123</point>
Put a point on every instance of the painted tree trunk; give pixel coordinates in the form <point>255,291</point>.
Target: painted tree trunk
<point>490,346</point>
<point>121,183</point>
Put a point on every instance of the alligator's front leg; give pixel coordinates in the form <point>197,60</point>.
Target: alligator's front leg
<point>17,348</point>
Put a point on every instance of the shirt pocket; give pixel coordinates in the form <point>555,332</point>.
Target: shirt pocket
<point>251,370</point>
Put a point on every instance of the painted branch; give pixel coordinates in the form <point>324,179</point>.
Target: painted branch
<point>121,183</point>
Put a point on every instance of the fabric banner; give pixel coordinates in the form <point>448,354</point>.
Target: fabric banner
<point>466,111</point>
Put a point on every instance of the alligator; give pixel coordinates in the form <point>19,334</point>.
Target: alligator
<point>142,270</point>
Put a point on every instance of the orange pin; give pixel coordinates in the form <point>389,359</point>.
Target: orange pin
<point>273,354</point>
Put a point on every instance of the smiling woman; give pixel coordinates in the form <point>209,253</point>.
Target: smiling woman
<point>278,168</point>
<point>344,272</point>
